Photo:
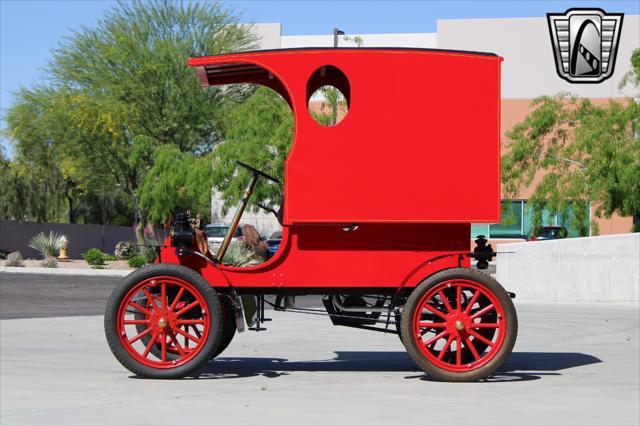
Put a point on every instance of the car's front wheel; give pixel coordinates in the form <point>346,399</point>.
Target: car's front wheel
<point>163,321</point>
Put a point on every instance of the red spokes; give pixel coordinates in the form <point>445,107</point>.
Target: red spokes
<point>459,325</point>
<point>163,322</point>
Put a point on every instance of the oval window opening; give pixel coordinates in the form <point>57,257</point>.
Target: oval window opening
<point>328,96</point>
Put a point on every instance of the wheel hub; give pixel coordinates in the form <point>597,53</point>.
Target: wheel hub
<point>459,325</point>
<point>162,323</point>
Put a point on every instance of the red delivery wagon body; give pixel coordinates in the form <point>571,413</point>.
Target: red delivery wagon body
<point>375,218</point>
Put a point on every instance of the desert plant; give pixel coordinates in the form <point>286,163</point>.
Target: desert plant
<point>48,245</point>
<point>137,261</point>
<point>239,254</point>
<point>126,250</point>
<point>50,262</point>
<point>14,259</point>
<point>94,257</point>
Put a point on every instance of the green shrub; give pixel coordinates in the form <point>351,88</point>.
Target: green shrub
<point>47,245</point>
<point>126,250</point>
<point>137,261</point>
<point>109,257</point>
<point>14,259</point>
<point>94,257</point>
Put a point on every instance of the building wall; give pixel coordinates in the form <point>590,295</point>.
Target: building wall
<point>529,70</point>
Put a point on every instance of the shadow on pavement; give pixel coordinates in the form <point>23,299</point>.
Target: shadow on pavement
<point>520,366</point>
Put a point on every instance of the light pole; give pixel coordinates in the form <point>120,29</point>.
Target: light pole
<point>336,33</point>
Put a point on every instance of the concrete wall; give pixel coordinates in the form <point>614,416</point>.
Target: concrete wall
<point>592,269</point>
<point>16,236</point>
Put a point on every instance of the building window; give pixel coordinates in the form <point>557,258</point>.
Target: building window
<point>517,222</point>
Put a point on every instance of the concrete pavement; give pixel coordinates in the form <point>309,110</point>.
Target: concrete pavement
<point>40,295</point>
<point>573,364</point>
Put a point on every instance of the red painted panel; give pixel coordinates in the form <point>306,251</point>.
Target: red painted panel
<point>374,255</point>
<point>420,142</point>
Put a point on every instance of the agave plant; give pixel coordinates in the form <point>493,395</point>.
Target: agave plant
<point>239,254</point>
<point>48,245</point>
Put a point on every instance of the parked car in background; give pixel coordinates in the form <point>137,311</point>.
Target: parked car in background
<point>543,233</point>
<point>244,233</point>
<point>216,233</point>
<point>274,242</point>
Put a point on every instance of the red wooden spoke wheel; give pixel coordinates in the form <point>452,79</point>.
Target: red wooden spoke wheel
<point>459,325</point>
<point>163,321</point>
<point>175,316</point>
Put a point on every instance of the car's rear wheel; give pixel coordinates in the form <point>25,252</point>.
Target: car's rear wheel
<point>459,325</point>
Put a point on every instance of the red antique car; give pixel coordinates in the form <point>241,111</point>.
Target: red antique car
<point>376,218</point>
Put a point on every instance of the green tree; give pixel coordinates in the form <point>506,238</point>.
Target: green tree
<point>34,179</point>
<point>258,132</point>
<point>176,182</point>
<point>585,153</point>
<point>122,89</point>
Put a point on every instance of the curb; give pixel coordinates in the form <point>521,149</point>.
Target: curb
<point>66,271</point>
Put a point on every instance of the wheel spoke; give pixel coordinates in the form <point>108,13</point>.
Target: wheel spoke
<point>187,308</point>
<point>435,311</point>
<point>447,305</point>
<point>150,345</point>
<point>136,321</point>
<point>484,325</point>
<point>472,347</point>
<point>150,299</point>
<point>176,299</point>
<point>187,335</point>
<point>141,335</point>
<point>163,344</point>
<point>458,351</point>
<point>428,324</point>
<point>472,302</point>
<point>174,339</point>
<point>140,308</point>
<point>445,348</point>
<point>163,292</point>
<point>459,298</point>
<point>483,311</point>
<point>197,331</point>
<point>436,338</point>
<point>481,338</point>
<point>190,321</point>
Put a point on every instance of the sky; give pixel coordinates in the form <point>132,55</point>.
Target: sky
<point>29,29</point>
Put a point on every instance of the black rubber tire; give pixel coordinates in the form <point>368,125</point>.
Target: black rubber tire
<point>491,285</point>
<point>214,308</point>
<point>228,326</point>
